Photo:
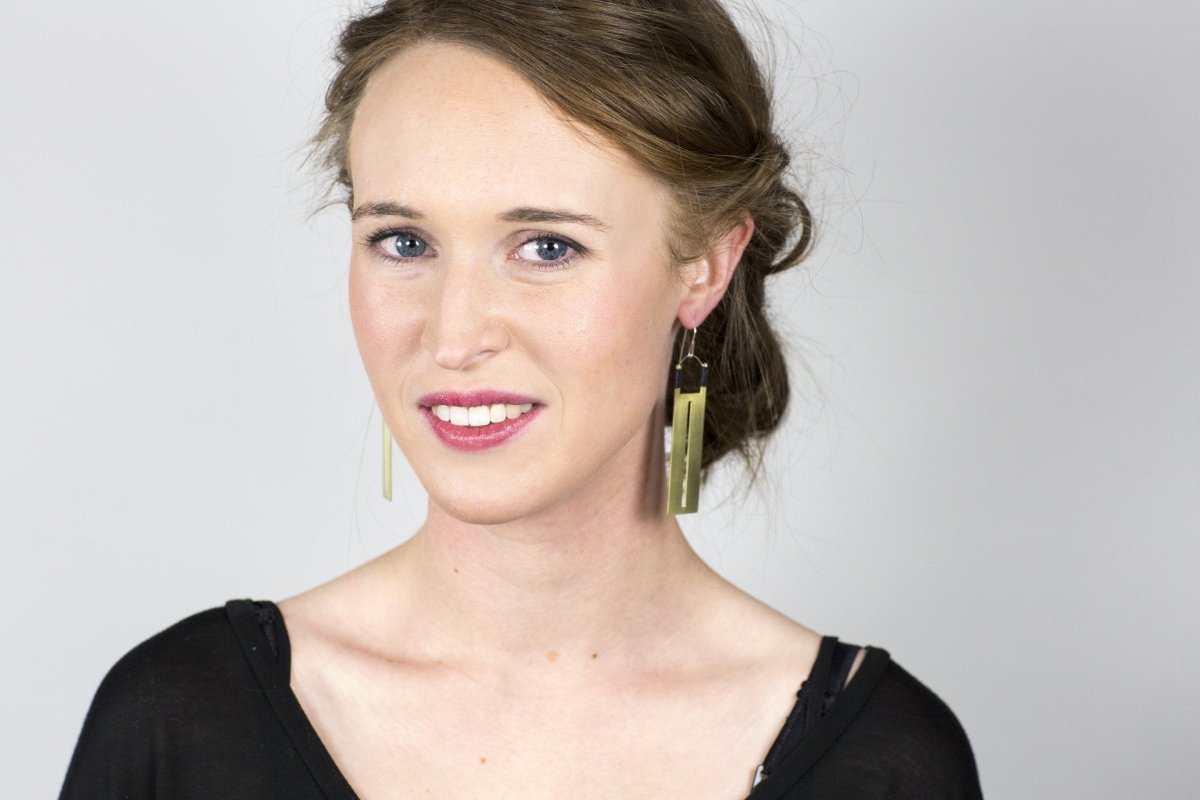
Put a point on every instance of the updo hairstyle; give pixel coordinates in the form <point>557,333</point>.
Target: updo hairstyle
<point>671,83</point>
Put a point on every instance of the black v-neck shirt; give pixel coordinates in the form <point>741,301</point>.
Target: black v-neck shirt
<point>204,711</point>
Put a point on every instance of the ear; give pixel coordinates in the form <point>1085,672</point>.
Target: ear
<point>707,278</point>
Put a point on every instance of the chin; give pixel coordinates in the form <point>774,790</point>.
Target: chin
<point>505,502</point>
<point>473,512</point>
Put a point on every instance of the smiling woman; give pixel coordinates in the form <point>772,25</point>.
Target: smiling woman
<point>535,288</point>
<point>545,197</point>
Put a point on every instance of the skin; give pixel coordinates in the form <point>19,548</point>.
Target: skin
<point>548,632</point>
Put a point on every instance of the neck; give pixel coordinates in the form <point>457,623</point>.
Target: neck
<point>607,573</point>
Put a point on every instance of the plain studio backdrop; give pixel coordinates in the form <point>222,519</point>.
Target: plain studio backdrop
<point>992,471</point>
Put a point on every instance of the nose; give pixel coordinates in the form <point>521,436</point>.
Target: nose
<point>463,328</point>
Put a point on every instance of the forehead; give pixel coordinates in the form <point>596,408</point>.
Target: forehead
<point>447,119</point>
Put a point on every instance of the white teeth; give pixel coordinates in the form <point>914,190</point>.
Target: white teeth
<point>478,416</point>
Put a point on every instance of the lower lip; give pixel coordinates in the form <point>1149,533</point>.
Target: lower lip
<point>484,437</point>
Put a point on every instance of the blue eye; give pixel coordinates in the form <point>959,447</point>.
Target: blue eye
<point>551,249</point>
<point>397,245</point>
<point>405,245</point>
<point>548,249</point>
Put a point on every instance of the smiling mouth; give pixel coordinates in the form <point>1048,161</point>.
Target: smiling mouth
<point>479,416</point>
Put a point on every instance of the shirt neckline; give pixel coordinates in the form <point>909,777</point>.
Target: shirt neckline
<point>272,667</point>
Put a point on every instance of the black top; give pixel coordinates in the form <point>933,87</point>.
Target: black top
<point>204,710</point>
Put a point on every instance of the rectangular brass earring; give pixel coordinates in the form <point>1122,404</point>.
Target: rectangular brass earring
<point>687,438</point>
<point>387,463</point>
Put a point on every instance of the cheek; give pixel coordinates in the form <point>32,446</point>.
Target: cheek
<point>384,321</point>
<point>621,337</point>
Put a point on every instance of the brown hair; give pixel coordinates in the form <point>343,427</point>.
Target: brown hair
<point>673,84</point>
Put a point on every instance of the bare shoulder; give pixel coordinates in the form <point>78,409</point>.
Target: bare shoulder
<point>337,612</point>
<point>332,630</point>
<point>749,629</point>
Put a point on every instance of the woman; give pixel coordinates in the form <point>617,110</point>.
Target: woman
<point>557,207</point>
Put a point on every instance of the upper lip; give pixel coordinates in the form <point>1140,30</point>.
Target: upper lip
<point>480,397</point>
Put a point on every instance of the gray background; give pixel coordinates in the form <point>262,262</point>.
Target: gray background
<point>992,471</point>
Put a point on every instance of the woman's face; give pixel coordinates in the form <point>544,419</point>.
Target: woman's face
<point>510,289</point>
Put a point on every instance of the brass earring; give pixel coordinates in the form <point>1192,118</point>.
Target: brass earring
<point>387,463</point>
<point>687,435</point>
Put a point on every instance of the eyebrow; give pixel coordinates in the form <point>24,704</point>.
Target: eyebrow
<point>552,215</point>
<point>384,209</point>
<point>523,214</point>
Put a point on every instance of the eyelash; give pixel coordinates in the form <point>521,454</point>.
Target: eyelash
<point>374,240</point>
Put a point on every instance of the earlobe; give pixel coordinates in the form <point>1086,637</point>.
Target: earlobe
<point>713,272</point>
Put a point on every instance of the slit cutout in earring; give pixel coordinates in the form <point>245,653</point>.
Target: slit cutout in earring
<point>687,435</point>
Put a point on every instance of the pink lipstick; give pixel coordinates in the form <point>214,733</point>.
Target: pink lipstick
<point>478,420</point>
